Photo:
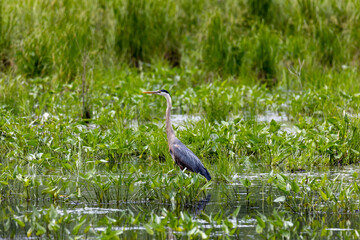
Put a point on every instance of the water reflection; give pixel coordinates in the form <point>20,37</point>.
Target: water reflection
<point>202,204</point>
<point>257,197</point>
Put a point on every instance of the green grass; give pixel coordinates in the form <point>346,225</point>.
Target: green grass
<point>74,126</point>
<point>147,30</point>
<point>249,40</point>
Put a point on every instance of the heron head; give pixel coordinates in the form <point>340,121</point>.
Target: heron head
<point>161,92</point>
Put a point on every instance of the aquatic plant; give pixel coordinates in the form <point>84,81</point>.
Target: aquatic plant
<point>260,94</point>
<point>178,189</point>
<point>317,194</point>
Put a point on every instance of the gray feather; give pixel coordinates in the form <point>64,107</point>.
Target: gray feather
<point>185,158</point>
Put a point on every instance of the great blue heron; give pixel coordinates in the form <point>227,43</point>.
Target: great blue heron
<point>182,156</point>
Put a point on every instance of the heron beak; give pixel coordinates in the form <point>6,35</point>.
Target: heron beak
<point>150,92</point>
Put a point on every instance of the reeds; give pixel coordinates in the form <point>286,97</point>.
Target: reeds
<point>53,39</point>
<point>147,30</point>
<point>5,43</point>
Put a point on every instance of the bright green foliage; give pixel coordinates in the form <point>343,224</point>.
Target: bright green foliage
<point>268,87</point>
<point>250,39</point>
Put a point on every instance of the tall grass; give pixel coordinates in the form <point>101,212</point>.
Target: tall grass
<point>222,38</point>
<point>222,51</point>
<point>260,8</point>
<point>308,10</point>
<point>5,43</point>
<point>266,56</point>
<point>146,30</point>
<point>55,40</point>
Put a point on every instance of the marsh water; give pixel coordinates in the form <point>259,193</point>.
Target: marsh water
<point>255,196</point>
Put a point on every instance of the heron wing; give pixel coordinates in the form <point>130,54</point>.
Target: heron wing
<point>185,157</point>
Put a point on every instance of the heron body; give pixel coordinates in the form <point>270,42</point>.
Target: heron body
<point>182,155</point>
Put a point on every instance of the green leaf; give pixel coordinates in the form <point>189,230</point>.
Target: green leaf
<point>295,186</point>
<point>148,229</point>
<point>274,126</point>
<point>226,178</point>
<point>205,217</point>
<point>259,229</point>
<point>323,195</point>
<point>280,199</point>
<point>246,182</point>
<point>67,166</point>
<point>206,186</point>
<point>203,235</point>
<point>21,223</point>
<point>112,220</point>
<point>261,222</point>
<point>236,212</point>
<point>7,224</point>
<point>192,231</point>
<point>29,232</point>
<point>78,226</point>
<point>40,229</point>
<point>86,230</point>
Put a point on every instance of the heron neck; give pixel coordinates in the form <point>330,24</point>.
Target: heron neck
<point>169,130</point>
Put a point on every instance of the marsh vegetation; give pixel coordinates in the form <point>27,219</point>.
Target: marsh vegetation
<point>269,95</point>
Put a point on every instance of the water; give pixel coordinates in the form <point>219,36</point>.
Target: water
<point>259,198</point>
<point>177,120</point>
<point>180,120</point>
<point>268,116</point>
<point>250,200</point>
